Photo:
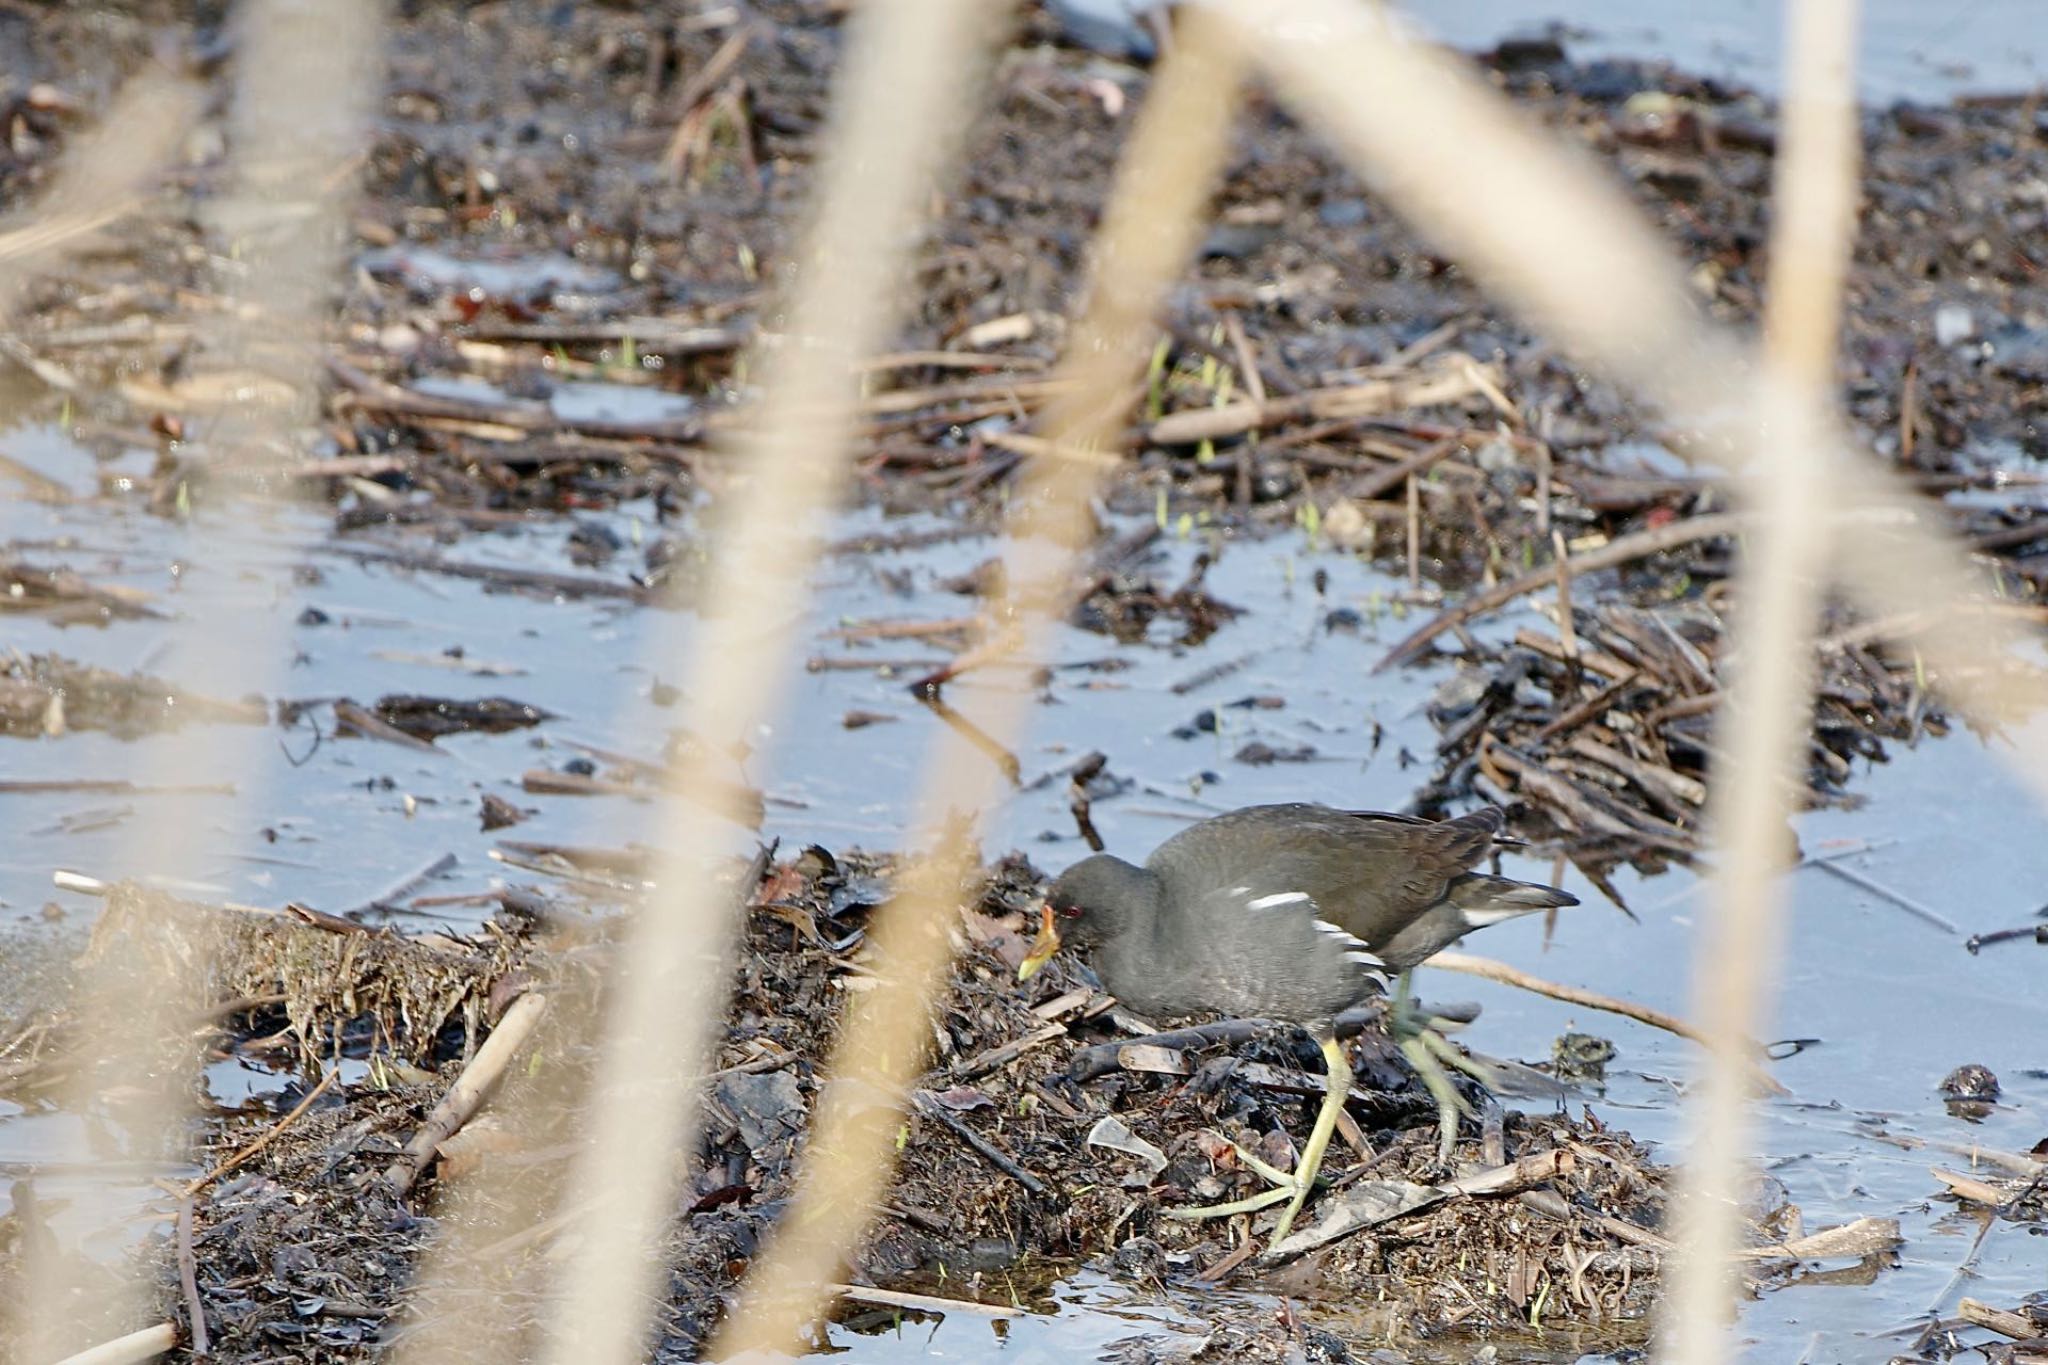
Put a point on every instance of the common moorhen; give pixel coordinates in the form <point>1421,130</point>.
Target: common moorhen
<point>1293,912</point>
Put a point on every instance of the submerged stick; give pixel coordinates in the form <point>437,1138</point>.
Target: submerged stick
<point>928,1303</point>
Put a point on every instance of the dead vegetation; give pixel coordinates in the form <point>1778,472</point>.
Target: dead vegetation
<point>1042,1133</point>
<point>540,331</point>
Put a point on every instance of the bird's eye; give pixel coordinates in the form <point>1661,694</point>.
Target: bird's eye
<point>1067,911</point>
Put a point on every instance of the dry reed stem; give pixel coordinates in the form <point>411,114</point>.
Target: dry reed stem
<point>911,69</point>
<point>1568,232</point>
<point>146,1344</point>
<point>101,178</point>
<point>1770,700</point>
<point>1149,231</point>
<point>1545,230</point>
<point>305,82</point>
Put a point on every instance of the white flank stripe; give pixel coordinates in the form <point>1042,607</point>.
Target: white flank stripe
<point>1278,899</point>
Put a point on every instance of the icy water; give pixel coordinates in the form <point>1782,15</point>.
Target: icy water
<point>1893,1003</point>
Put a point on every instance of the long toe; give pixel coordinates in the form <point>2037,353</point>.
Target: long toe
<point>1284,1186</point>
<point>1449,1103</point>
<point>1295,1188</point>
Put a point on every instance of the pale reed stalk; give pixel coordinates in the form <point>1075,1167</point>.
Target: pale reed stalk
<point>910,73</point>
<point>1150,228</point>
<point>307,81</point>
<point>1543,230</point>
<point>1769,713</point>
<point>101,178</point>
<point>1547,232</point>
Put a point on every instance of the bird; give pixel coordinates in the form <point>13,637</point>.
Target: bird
<point>1295,912</point>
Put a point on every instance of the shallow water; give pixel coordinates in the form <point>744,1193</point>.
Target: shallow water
<point>1914,50</point>
<point>1895,1003</point>
<point>1918,51</point>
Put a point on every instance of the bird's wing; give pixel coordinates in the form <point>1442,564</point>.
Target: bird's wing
<point>1369,872</point>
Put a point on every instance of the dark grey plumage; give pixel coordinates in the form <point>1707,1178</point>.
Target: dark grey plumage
<point>1290,912</point>
<point>1287,911</point>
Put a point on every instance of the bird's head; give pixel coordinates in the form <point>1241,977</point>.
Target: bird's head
<point>1090,903</point>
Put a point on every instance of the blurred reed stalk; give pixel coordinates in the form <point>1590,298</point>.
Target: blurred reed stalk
<point>911,70</point>
<point>104,175</point>
<point>1767,720</point>
<point>1151,225</point>
<point>306,80</point>
<point>1545,231</point>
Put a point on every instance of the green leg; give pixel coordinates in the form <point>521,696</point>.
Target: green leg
<point>1319,1136</point>
<point>1303,1179</point>
<point>1427,1052</point>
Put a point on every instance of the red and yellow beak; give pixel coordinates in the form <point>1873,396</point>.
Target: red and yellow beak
<point>1048,943</point>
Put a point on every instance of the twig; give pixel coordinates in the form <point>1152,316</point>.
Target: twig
<point>1212,673</point>
<point>896,1298</point>
<point>995,1058</point>
<point>1409,469</point>
<point>188,1280</point>
<point>928,1105</point>
<point>498,575</point>
<point>1218,1272</point>
<point>379,396</point>
<point>1969,1187</point>
<point>1587,709</point>
<point>467,1095</point>
<point>1005,761</point>
<point>2015,1162</point>
<point>731,799</point>
<point>1898,898</point>
<point>147,1344</point>
<point>1863,1237</point>
<point>1082,808</point>
<point>1089,1062</point>
<point>243,1156</point>
<point>1977,1313</point>
<point>1414,535</point>
<point>1567,632</point>
<point>391,896</point>
<point>2036,932</point>
<point>1489,969</point>
<point>1446,381</point>
<point>906,630</point>
<point>1712,526</point>
<point>109,787</point>
<point>1514,1177</point>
